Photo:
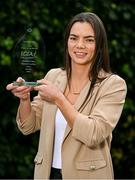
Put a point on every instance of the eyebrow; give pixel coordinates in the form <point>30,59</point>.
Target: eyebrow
<point>89,36</point>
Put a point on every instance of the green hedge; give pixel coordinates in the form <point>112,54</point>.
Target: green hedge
<point>50,19</point>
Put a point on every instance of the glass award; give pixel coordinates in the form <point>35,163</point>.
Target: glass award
<point>29,52</point>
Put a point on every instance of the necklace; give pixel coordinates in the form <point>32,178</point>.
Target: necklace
<point>72,91</point>
<point>75,92</point>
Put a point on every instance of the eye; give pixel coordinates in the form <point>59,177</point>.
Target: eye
<point>73,38</point>
<point>91,40</point>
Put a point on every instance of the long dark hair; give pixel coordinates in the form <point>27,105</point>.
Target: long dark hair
<point>101,56</point>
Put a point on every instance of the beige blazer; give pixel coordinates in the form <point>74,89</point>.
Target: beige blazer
<point>86,147</point>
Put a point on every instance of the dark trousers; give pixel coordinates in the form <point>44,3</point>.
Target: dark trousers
<point>55,174</point>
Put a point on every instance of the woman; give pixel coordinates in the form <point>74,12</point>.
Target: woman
<point>77,107</point>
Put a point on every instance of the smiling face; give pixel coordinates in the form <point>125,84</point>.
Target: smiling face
<point>81,43</point>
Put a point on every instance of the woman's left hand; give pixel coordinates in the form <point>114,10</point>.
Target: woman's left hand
<point>48,91</point>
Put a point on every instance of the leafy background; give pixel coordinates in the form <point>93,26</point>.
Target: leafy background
<point>49,19</point>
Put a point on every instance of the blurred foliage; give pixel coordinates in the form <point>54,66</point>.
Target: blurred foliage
<point>49,18</point>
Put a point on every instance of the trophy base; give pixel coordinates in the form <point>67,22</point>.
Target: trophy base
<point>26,83</point>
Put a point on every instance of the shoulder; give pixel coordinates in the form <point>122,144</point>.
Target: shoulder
<point>114,79</point>
<point>112,84</point>
<point>110,78</point>
<point>54,73</point>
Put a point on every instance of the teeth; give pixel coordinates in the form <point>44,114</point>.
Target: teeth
<point>80,53</point>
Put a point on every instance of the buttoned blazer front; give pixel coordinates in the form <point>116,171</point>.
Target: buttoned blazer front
<point>86,147</point>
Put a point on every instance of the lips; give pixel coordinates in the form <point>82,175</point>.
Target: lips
<point>80,54</point>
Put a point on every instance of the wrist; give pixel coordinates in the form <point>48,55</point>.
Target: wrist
<point>25,97</point>
<point>59,99</point>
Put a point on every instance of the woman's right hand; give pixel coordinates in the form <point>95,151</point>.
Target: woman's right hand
<point>22,92</point>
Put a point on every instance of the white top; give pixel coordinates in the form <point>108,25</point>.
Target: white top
<point>60,126</point>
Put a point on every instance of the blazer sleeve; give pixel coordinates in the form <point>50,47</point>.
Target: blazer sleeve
<point>96,127</point>
<point>33,122</point>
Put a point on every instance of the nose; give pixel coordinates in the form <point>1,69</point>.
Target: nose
<point>80,43</point>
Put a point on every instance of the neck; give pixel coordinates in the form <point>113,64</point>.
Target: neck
<point>79,73</point>
<point>79,78</point>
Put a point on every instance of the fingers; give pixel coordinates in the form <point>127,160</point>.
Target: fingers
<point>11,86</point>
<point>40,87</point>
<point>21,92</point>
<point>44,81</point>
<point>20,79</point>
<point>21,89</point>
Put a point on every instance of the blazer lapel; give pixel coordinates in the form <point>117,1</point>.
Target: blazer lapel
<point>82,97</point>
<point>77,105</point>
<point>62,84</point>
